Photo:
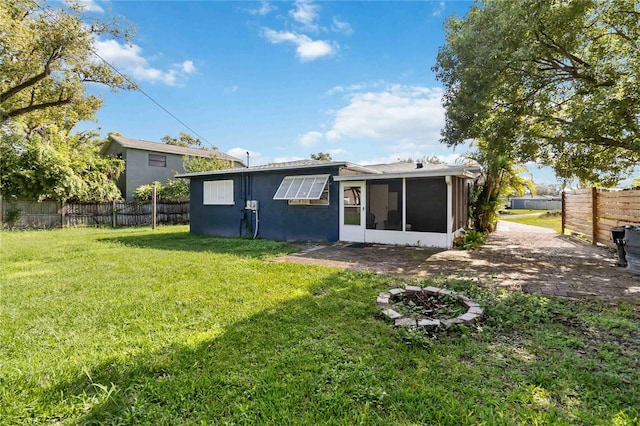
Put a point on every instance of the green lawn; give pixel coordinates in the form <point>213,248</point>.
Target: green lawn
<point>508,212</point>
<point>551,220</point>
<point>133,326</point>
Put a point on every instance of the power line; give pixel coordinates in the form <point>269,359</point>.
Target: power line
<point>127,78</point>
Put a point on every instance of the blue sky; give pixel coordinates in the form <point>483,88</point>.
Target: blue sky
<point>283,80</point>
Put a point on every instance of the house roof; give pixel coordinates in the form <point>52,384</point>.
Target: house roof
<point>353,172</point>
<point>289,165</point>
<point>404,167</point>
<point>166,148</point>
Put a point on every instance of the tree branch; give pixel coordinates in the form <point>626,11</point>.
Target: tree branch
<point>33,80</point>
<point>31,108</point>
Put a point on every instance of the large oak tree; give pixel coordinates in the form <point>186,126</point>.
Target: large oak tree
<point>550,81</point>
<point>46,59</point>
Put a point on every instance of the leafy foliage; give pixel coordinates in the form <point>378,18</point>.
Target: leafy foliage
<point>470,239</point>
<point>184,139</point>
<point>193,164</point>
<point>321,156</point>
<point>559,79</point>
<point>427,159</point>
<point>45,60</point>
<point>173,191</point>
<point>500,177</point>
<point>552,189</point>
<point>57,167</point>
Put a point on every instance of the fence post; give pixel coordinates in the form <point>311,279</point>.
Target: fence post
<point>564,212</point>
<point>114,215</point>
<point>153,208</point>
<point>62,208</point>
<point>594,215</point>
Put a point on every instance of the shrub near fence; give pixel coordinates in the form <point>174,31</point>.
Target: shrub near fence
<point>55,214</point>
<point>593,212</point>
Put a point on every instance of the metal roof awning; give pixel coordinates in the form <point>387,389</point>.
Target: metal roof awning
<point>304,187</point>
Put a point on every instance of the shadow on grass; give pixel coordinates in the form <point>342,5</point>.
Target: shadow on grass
<point>328,358</point>
<point>185,241</point>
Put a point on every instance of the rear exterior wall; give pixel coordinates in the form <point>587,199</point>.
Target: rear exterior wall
<point>277,219</point>
<point>139,172</point>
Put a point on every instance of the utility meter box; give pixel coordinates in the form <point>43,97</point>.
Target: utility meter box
<point>251,205</point>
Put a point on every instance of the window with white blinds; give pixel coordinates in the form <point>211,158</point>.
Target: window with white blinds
<point>218,192</point>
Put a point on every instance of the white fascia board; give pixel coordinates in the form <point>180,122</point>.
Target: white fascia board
<point>457,171</point>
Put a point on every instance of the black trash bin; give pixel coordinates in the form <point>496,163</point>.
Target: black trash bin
<point>617,235</point>
<point>632,248</point>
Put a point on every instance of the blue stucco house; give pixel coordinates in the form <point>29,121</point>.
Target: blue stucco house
<point>147,162</point>
<point>327,201</point>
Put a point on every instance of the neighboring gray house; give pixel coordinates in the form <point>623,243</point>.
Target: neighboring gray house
<point>146,162</point>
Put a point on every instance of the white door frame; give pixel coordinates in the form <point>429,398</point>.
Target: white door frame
<point>353,232</point>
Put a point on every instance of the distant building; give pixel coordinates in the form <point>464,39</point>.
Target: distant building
<point>147,162</point>
<point>535,203</point>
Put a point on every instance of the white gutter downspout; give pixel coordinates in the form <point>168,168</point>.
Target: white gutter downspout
<point>448,180</point>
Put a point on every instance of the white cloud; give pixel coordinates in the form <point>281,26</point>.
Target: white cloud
<point>356,87</point>
<point>437,11</point>
<point>306,48</point>
<point>337,151</point>
<point>341,27</point>
<point>306,13</point>
<point>129,59</point>
<point>188,67</point>
<point>336,89</point>
<point>310,138</point>
<point>404,115</point>
<point>264,9</point>
<point>232,89</point>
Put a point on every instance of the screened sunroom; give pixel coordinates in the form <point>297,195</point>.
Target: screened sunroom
<point>417,206</point>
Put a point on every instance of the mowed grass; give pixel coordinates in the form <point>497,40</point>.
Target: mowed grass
<point>550,219</point>
<point>133,326</point>
<point>508,212</point>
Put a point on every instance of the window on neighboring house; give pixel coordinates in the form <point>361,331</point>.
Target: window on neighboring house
<point>156,160</point>
<point>217,192</point>
<point>304,190</point>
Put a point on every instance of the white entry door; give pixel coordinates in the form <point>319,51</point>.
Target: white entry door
<point>352,211</point>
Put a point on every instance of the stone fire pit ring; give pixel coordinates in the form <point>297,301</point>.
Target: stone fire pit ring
<point>385,301</point>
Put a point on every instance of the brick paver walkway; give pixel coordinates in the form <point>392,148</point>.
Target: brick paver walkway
<point>516,257</point>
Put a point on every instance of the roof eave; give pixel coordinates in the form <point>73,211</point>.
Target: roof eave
<point>467,173</point>
<point>283,168</point>
<point>124,142</point>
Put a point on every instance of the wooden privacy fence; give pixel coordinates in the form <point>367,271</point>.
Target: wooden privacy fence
<point>56,214</point>
<point>593,212</point>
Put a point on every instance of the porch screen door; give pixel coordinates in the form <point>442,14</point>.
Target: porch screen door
<point>352,211</point>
